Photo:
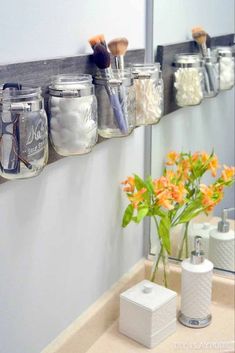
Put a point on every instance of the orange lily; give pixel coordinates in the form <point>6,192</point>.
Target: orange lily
<point>137,197</point>
<point>228,173</point>
<point>130,184</point>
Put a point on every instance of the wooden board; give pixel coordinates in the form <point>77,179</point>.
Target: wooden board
<point>39,73</point>
<point>165,56</point>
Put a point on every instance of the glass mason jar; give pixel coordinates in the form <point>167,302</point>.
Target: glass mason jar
<point>116,103</point>
<point>72,114</point>
<point>149,90</point>
<point>211,76</point>
<point>226,59</point>
<point>23,129</point>
<point>188,79</point>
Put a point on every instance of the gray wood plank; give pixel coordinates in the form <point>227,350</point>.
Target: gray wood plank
<point>39,73</point>
<point>165,56</point>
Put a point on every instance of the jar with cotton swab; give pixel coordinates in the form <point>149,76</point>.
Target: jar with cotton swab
<point>72,114</point>
<point>149,89</point>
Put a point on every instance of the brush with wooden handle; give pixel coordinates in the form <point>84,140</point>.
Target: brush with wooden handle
<point>102,60</point>
<point>201,38</point>
<point>118,48</point>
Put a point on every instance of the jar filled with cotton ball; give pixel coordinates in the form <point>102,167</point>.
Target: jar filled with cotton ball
<point>226,58</point>
<point>188,79</point>
<point>72,114</point>
<point>149,93</point>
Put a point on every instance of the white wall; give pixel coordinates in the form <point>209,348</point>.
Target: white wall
<point>210,125</point>
<point>61,243</point>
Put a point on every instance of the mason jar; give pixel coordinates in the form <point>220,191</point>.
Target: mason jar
<point>72,114</point>
<point>115,94</point>
<point>211,76</point>
<point>23,130</point>
<point>188,79</point>
<point>149,90</point>
<point>226,58</point>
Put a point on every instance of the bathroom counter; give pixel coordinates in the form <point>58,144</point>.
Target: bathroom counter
<point>217,337</point>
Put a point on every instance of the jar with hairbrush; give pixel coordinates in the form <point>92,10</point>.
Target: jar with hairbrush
<point>23,131</point>
<point>226,60</point>
<point>188,79</point>
<point>72,114</point>
<point>116,103</point>
<point>149,91</point>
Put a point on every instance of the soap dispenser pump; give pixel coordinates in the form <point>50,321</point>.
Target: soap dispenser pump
<point>221,244</point>
<point>196,286</point>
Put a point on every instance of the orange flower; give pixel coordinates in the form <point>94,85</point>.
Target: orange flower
<point>211,196</point>
<point>160,183</point>
<point>195,156</point>
<point>178,193</point>
<point>205,156</point>
<point>137,197</point>
<point>214,165</point>
<point>130,184</point>
<point>172,158</point>
<point>184,168</point>
<point>228,173</point>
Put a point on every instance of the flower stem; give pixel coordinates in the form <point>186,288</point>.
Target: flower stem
<point>164,266</point>
<point>156,265</point>
<point>184,241</point>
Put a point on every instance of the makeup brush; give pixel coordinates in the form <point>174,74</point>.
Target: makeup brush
<point>118,48</point>
<point>202,38</point>
<point>199,35</point>
<point>98,39</point>
<point>102,61</point>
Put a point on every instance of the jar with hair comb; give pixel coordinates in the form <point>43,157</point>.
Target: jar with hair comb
<point>23,132</point>
<point>149,90</point>
<point>116,103</point>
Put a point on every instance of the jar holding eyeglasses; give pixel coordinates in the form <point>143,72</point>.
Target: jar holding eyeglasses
<point>23,132</point>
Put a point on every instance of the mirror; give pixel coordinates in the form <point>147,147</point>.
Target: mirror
<point>205,127</point>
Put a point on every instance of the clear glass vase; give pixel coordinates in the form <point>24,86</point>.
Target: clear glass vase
<point>161,270</point>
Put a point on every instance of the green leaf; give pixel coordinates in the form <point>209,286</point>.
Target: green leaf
<point>164,233</point>
<point>142,212</point>
<point>191,211</point>
<point>139,183</point>
<point>149,184</point>
<point>127,215</point>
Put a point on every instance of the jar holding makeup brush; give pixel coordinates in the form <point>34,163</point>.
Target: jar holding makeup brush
<point>188,79</point>
<point>116,103</point>
<point>72,114</point>
<point>226,59</point>
<point>23,132</point>
<point>149,90</point>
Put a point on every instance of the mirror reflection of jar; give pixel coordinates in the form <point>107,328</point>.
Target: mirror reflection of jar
<point>72,114</point>
<point>226,57</point>
<point>188,79</point>
<point>23,132</point>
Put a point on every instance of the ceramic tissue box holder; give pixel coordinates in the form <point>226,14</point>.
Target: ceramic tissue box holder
<point>148,313</point>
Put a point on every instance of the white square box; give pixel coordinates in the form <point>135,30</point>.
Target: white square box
<point>148,313</point>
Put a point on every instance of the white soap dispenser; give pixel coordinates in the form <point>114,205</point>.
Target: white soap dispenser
<point>196,285</point>
<point>221,244</point>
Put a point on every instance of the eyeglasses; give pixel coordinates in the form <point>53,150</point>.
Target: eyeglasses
<point>9,144</point>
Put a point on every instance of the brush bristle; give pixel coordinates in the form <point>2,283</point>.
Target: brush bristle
<point>101,56</point>
<point>118,46</point>
<point>94,40</point>
<point>199,35</point>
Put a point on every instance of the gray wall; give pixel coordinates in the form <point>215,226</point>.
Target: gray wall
<point>61,243</point>
<point>210,125</point>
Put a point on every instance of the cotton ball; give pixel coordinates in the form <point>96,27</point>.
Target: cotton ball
<point>69,104</point>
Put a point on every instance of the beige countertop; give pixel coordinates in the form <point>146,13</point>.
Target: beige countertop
<point>217,337</point>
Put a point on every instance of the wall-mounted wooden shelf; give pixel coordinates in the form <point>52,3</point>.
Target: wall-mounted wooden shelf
<point>165,56</point>
<point>39,73</point>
